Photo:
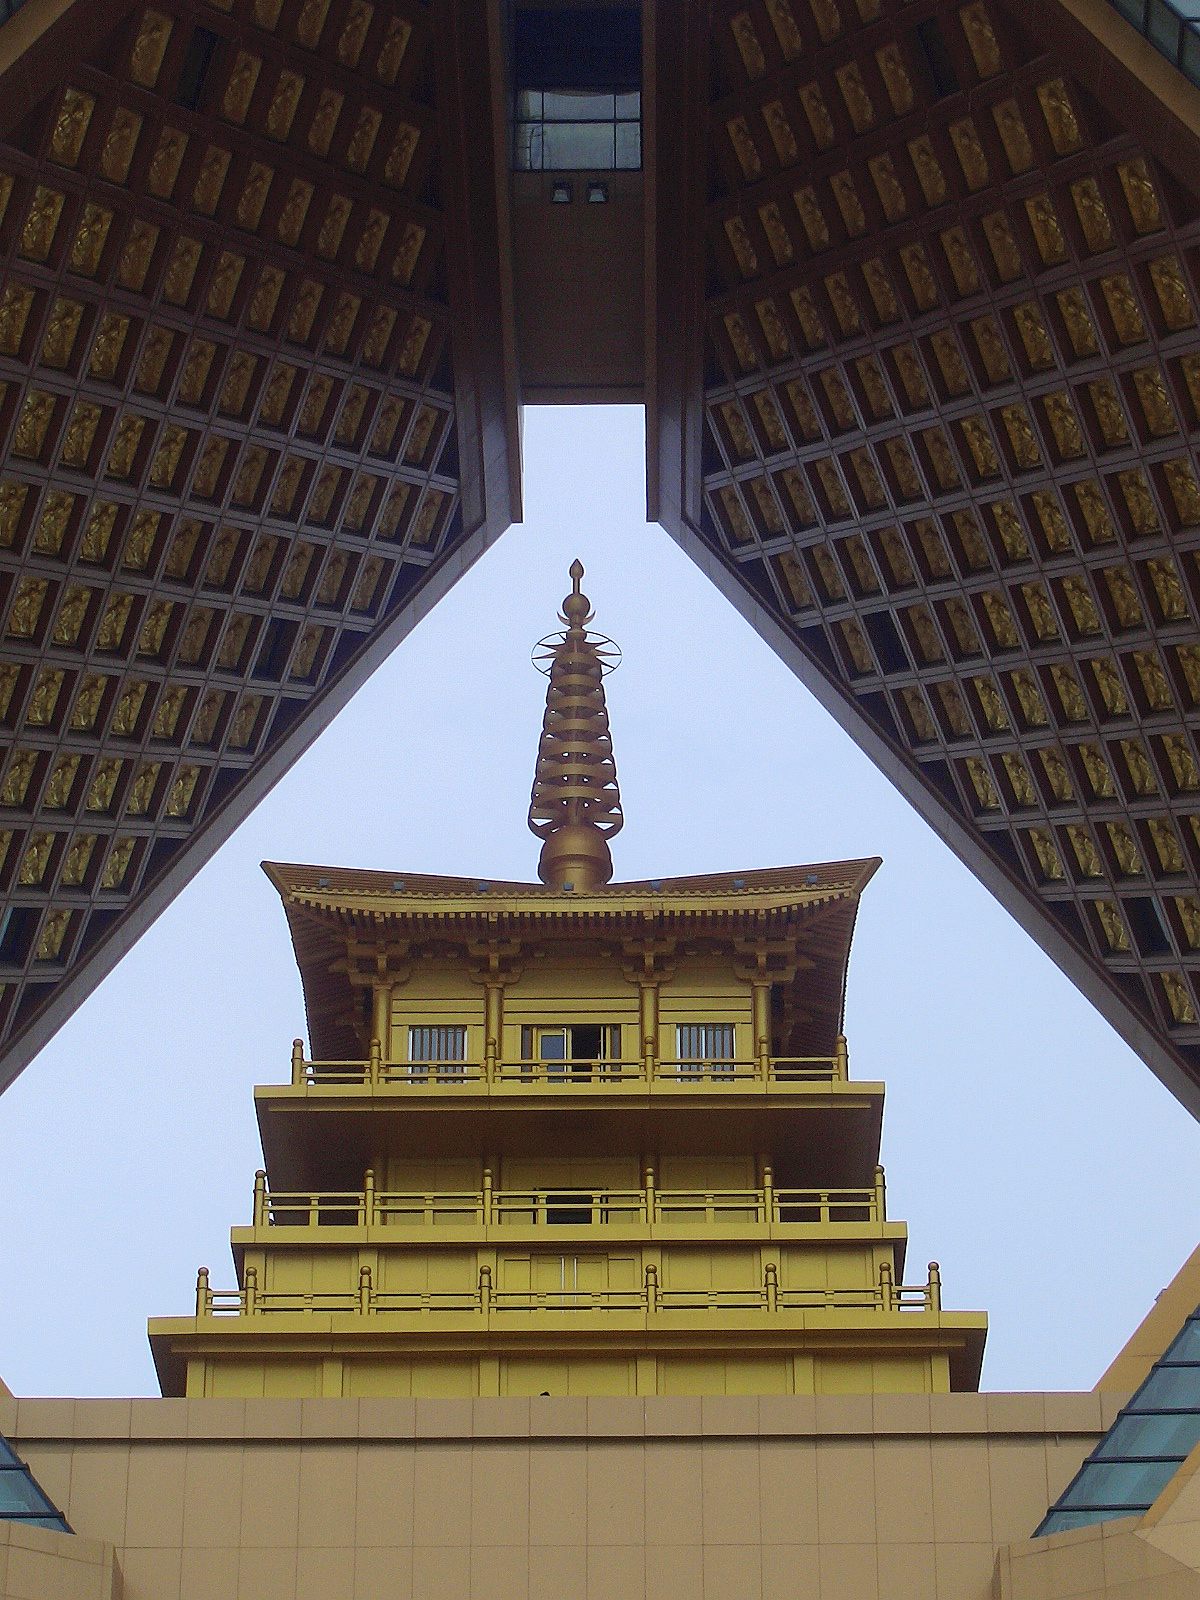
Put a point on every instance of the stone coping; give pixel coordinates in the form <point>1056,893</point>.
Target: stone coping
<point>562,1417</point>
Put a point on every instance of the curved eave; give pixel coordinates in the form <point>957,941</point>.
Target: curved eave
<point>331,909</point>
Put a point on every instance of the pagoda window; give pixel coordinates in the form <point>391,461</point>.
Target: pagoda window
<point>573,1049</point>
<point>437,1051</point>
<point>703,1048</point>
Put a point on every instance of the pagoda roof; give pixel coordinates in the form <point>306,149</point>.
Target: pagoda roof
<point>331,908</point>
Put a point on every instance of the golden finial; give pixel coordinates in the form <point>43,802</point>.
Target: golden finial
<point>575,807</point>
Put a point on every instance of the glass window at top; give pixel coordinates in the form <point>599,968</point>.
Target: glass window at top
<point>577,81</point>
<point>21,1500</point>
<point>1144,1448</point>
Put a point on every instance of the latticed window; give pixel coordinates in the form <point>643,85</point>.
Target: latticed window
<point>704,1045</point>
<point>443,1047</point>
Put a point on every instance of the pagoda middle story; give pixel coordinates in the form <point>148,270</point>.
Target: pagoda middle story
<point>572,1137</point>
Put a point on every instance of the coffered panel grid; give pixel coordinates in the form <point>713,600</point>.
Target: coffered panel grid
<point>952,395</point>
<point>226,421</point>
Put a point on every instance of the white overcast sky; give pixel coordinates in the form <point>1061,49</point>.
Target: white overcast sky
<point>1030,1152</point>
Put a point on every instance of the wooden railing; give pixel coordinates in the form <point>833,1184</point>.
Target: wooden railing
<point>491,1207</point>
<point>650,1298</point>
<point>645,1072</point>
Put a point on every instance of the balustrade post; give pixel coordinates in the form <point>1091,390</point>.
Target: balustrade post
<point>485,1290</point>
<point>650,1196</point>
<point>880,1196</point>
<point>489,1198</point>
<point>772,1285</point>
<point>933,1290</point>
<point>368,1205</point>
<point>260,1199</point>
<point>364,1291</point>
<point>768,1192</point>
<point>374,1063</point>
<point>841,1059</point>
<point>251,1281</point>
<point>493,1012</point>
<point>297,1061</point>
<point>887,1287</point>
<point>648,1027</point>
<point>651,1289</point>
<point>203,1294</point>
<point>761,1010</point>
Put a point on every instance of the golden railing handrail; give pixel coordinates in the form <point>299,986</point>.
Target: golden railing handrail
<point>379,1073</point>
<point>508,1207</point>
<point>650,1298</point>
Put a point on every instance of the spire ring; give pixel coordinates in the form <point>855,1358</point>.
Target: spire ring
<point>607,652</point>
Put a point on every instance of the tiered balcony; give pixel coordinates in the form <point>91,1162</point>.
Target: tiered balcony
<point>322,1128</point>
<point>307,1219</point>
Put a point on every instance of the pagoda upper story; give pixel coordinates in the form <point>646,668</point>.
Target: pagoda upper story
<point>571,1137</point>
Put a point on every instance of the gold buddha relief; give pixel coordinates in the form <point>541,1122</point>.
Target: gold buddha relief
<point>304,657</point>
<point>1179,997</point>
<point>856,646</point>
<point>378,336</point>
<point>782,137</point>
<point>1014,136</point>
<point>924,729</point>
<point>241,729</point>
<point>71,614</point>
<point>1099,774</point>
<point>744,147</point>
<point>128,709</point>
<point>53,521</point>
<point>117,865</point>
<point>391,54</point>
<point>76,861</point>
<point>748,45</point>
<point>62,329</point>
<point>1094,509</point>
<point>400,157</point>
<point>1094,217</point>
<point>846,199</point>
<point>103,785</point>
<point>362,139</point>
<point>154,627</point>
<point>1049,860</point>
<point>1061,122</point>
<point>33,424</point>
<point>972,158</point>
<point>1006,256</point>
<point>1173,293</point>
<point>954,710</point>
<point>981,38</point>
<point>120,143</point>
<point>981,782</point>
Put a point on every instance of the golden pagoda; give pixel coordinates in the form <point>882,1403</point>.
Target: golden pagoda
<point>570,1137</point>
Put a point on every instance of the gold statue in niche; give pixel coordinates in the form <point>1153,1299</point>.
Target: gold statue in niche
<point>113,622</point>
<point>125,445</point>
<point>1026,450</point>
<point>117,864</point>
<point>235,103</point>
<point>15,305</point>
<point>362,140</point>
<point>928,170</point>
<point>1038,349</point>
<point>275,394</point>
<point>1113,928</point>
<point>156,347</point>
<point>1057,775</point>
<point>744,148</point>
<point>1137,764</point>
<point>1173,295</point>
<point>139,541</point>
<point>1012,534</point>
<point>71,614</point>
<point>918,714</point>
<point>149,48</point>
<point>981,782</point>
<point>193,375</point>
<point>807,315</point>
<point>183,546</point>
<point>1172,601</point>
<point>81,431</point>
<point>208,469</point>
<point>166,718</point>
<point>41,223</point>
<point>154,628</point>
<point>772,422</point>
<point>405,262</point>
<point>896,79</point>
<point>793,481</point>
<point>1095,511</point>
<point>61,331</point>
<point>992,352</point>
<point>284,101</point>
<point>233,642</point>
<point>856,644</point>
<point>981,38</point>
<point>1123,308</point>
<point>26,607</point>
<point>1047,230</point>
<point>743,250</point>
<point>36,859</point>
<point>786,30</point>
<point>128,707</point>
<point>738,523</point>
<point>181,271</point>
<point>400,158</point>
<point>141,790</point>
<point>1041,613</point>
<point>964,136</point>
<point>896,556</point>
<point>954,709</point>
<point>774,332</point>
<point>920,277</point>
<point>1048,857</point>
<point>1179,997</point>
<point>284,494</point>
<point>992,705</point>
<point>961,261</point>
<point>1014,135</point>
<point>53,935</point>
<point>1112,689</point>
<point>211,179</point>
<point>1155,401</point>
<point>165,163</point>
<point>18,777</point>
<point>39,713</point>
<point>1166,845</point>
<point>370,242</point>
<point>1093,214</point>
<point>844,309</point>
<point>87,703</point>
<point>391,56</point>
<point>78,856</point>
<point>1081,330</point>
<point>1033,708</point>
<point>354,33</point>
<point>846,198</point>
<point>1188,908</point>
<point>748,45</point>
<point>1154,681</point>
<point>1085,850</point>
<point>1140,195</point>
<point>1004,629</point>
<point>111,333</point>
<point>782,136</point>
<point>983,452</point>
<point>1019,781</point>
<point>70,126</point>
<point>33,423</point>
<point>1125,849</point>
<point>1061,122</point>
<point>120,142</point>
<point>194,636</point>
<point>1188,657</point>
<point>223,285</point>
<point>857,100</point>
<point>1083,608</point>
<point>311,22</point>
<point>304,659</point>
<point>367,583</point>
<point>1124,596</point>
<point>1110,416</point>
<point>52,523</point>
<point>1003,246</point>
<point>165,462</point>
<point>1185,491</point>
<point>62,780</point>
<point>1183,762</point>
<point>1143,512</point>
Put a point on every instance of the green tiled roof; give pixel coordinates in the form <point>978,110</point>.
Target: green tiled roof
<point>1144,1448</point>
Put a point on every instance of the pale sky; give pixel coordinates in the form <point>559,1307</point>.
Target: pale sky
<point>1029,1150</point>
